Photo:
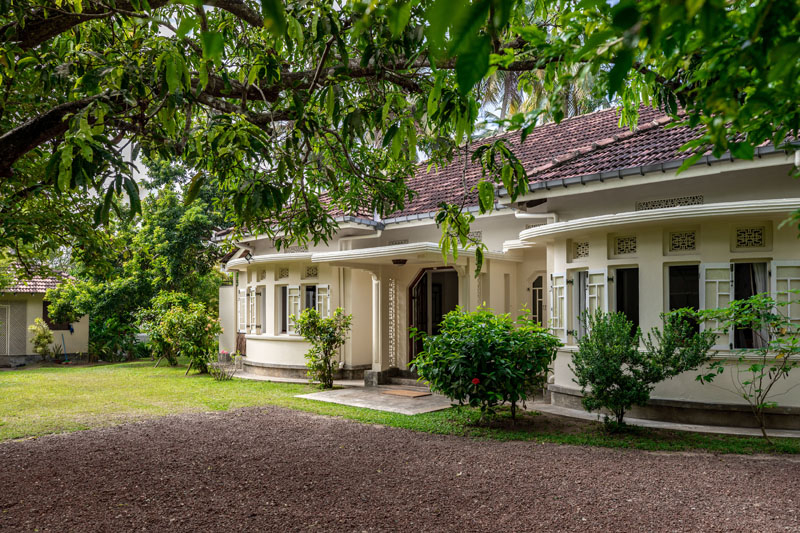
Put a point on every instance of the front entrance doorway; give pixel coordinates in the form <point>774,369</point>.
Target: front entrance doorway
<point>433,294</point>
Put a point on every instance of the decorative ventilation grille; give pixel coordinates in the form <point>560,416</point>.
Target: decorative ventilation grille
<point>475,235</point>
<point>295,249</point>
<point>311,272</point>
<point>262,275</point>
<point>624,245</point>
<point>581,249</point>
<point>401,241</point>
<point>283,273</point>
<point>392,316</point>
<point>752,237</point>
<point>682,241</point>
<point>669,202</point>
<point>529,226</point>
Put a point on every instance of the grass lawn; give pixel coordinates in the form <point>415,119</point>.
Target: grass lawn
<point>55,399</point>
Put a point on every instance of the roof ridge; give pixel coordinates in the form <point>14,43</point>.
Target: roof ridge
<point>600,144</point>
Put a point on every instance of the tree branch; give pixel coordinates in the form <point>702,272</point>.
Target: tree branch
<point>42,25</point>
<point>37,131</point>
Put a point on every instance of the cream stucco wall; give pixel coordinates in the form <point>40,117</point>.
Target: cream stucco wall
<point>714,246</point>
<point>227,318</point>
<point>74,343</point>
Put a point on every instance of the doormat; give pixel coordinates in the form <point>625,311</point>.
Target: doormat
<point>406,393</point>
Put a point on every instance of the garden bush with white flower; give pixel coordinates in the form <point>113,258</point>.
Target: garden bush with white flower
<point>486,360</point>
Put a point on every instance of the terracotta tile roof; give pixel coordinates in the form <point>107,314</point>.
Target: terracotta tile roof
<point>546,144</point>
<point>577,146</point>
<point>649,145</point>
<point>34,285</point>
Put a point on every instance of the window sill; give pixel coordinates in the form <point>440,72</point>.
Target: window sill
<point>284,337</point>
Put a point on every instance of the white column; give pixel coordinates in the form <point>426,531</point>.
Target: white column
<point>376,323</point>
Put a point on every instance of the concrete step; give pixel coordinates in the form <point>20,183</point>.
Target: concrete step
<point>407,382</point>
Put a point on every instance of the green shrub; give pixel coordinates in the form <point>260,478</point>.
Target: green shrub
<point>486,360</point>
<point>41,338</point>
<point>778,352</point>
<point>178,326</point>
<point>614,374</point>
<point>326,336</point>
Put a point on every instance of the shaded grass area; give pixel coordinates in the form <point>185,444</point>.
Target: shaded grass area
<point>56,399</point>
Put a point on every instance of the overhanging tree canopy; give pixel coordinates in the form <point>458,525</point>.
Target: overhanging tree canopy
<point>278,105</point>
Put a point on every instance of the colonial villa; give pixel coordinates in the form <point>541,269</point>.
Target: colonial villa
<point>608,224</point>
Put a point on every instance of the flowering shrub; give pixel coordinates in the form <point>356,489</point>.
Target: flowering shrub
<point>326,336</point>
<point>41,338</point>
<point>485,360</point>
<point>178,326</point>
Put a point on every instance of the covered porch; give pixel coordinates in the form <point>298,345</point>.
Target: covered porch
<point>412,286</point>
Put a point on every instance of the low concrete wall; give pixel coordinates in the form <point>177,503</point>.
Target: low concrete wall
<point>689,412</point>
<point>300,372</point>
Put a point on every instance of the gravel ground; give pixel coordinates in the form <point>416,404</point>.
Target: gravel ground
<point>281,470</point>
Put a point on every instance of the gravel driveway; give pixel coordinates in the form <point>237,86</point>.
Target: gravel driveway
<point>281,470</point>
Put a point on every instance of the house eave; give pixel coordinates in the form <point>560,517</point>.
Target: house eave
<point>751,207</point>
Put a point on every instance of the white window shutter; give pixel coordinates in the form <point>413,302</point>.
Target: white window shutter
<point>252,311</point>
<point>558,304</point>
<point>293,307</point>
<point>241,311</point>
<point>716,290</point>
<point>324,300</point>
<point>785,279</point>
<point>597,291</point>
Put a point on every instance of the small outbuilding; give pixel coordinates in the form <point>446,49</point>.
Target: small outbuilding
<point>20,305</point>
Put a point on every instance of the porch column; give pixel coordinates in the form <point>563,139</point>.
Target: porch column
<point>376,323</point>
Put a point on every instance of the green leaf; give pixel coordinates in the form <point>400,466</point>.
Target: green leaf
<point>274,15</point>
<point>25,61</point>
<point>743,150</point>
<point>187,24</point>
<point>506,177</point>
<point>399,14</point>
<point>486,196</point>
<point>625,14</point>
<point>390,133</point>
<point>213,44</point>
<point>617,74</point>
<point>465,26</point>
<point>473,63</point>
<point>173,74</point>
<point>133,195</point>
<point>330,103</point>
<point>194,188</point>
<point>295,30</point>
<point>435,95</point>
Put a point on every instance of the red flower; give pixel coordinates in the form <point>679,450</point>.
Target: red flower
<point>475,381</point>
